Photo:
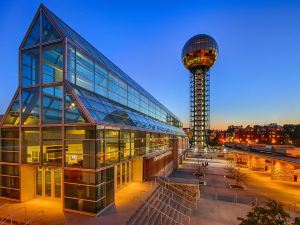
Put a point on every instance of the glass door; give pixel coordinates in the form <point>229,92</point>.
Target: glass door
<point>48,182</point>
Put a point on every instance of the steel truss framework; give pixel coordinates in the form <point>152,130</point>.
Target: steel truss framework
<point>199,107</point>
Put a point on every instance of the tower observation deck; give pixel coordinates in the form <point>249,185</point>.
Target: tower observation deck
<point>198,56</point>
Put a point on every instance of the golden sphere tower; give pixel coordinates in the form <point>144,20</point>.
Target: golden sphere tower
<point>198,55</point>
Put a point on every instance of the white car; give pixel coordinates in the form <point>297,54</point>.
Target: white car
<point>202,183</point>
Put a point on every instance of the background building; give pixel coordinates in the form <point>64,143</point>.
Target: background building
<point>272,134</point>
<point>78,128</point>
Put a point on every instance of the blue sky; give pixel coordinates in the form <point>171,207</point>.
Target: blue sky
<point>254,81</point>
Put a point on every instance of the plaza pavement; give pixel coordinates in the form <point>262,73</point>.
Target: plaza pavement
<point>220,205</point>
<point>118,214</point>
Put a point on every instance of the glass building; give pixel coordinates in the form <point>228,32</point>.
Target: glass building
<point>78,128</point>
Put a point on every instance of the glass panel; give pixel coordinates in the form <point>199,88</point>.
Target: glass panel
<point>39,180</point>
<point>83,177</point>
<point>9,170</point>
<point>71,64</point>
<point>84,71</point>
<point>30,145</point>
<point>30,67</point>
<point>13,116</point>
<point>52,105</point>
<point>34,35</point>
<point>10,193</point>
<point>49,33</point>
<point>118,176</point>
<point>9,182</point>
<point>80,151</point>
<point>30,106</point>
<point>72,111</point>
<point>47,182</point>
<point>110,193</point>
<point>52,64</point>
<point>52,146</point>
<point>57,183</point>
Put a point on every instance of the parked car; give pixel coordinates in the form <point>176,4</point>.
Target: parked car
<point>202,183</point>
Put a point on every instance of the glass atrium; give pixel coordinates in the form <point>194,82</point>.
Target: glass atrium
<point>76,123</point>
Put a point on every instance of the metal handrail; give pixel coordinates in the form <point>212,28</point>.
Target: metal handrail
<point>4,221</point>
<point>176,210</point>
<point>174,193</point>
<point>12,215</point>
<point>1,206</point>
<point>29,222</point>
<point>186,189</point>
<point>180,191</point>
<point>157,198</point>
<point>160,212</point>
<point>177,202</point>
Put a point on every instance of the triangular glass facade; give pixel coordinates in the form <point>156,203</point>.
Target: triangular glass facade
<point>33,37</point>
<point>49,33</point>
<point>13,115</point>
<point>73,114</point>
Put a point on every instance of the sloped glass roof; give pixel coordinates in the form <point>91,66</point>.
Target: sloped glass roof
<point>74,37</point>
<point>105,111</point>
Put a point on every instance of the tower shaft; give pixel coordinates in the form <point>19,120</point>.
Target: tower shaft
<point>199,107</point>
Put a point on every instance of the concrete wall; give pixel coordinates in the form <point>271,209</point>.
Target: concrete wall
<point>27,183</point>
<point>137,167</point>
<point>282,171</point>
<point>257,163</point>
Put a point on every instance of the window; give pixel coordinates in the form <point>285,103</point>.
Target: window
<point>52,64</point>
<point>13,116</point>
<point>72,112</point>
<point>30,145</point>
<point>52,146</point>
<point>30,106</point>
<point>34,35</point>
<point>30,67</point>
<point>52,105</point>
<point>49,33</point>
<point>84,71</point>
<point>80,147</point>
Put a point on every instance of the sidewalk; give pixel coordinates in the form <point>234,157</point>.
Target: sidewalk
<point>118,214</point>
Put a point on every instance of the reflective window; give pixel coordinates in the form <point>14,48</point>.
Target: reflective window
<point>52,64</point>
<point>72,112</point>
<point>30,106</point>
<point>71,64</point>
<point>30,145</point>
<point>52,146</point>
<point>49,33</point>
<point>9,145</point>
<point>13,116</point>
<point>30,67</point>
<point>52,105</point>
<point>34,35</point>
<point>84,71</point>
<point>80,147</point>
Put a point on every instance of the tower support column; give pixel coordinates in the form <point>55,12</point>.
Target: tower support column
<point>199,107</point>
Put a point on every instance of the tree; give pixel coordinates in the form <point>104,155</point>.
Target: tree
<point>297,221</point>
<point>272,213</point>
<point>235,173</point>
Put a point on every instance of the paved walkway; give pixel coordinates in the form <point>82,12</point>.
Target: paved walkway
<point>220,205</point>
<point>117,214</point>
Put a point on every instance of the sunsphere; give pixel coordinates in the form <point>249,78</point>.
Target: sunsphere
<point>198,55</point>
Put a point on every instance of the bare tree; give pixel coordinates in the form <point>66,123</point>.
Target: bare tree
<point>235,173</point>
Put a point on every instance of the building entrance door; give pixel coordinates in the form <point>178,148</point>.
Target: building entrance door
<point>48,182</point>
